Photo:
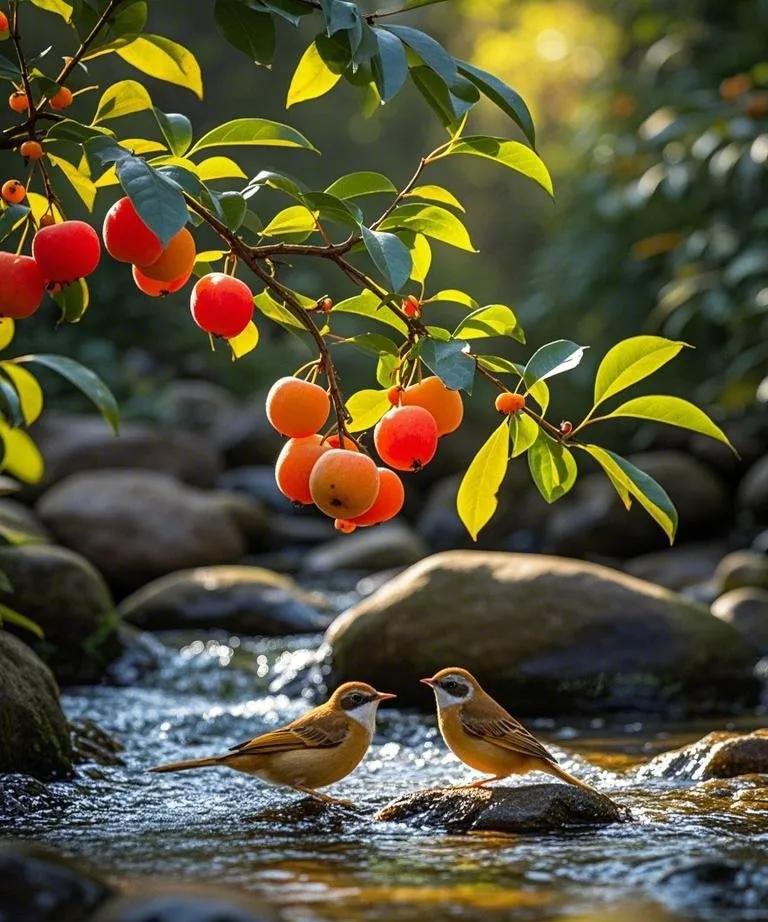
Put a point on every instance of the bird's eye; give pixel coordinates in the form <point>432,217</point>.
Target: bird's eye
<point>358,698</point>
<point>451,685</point>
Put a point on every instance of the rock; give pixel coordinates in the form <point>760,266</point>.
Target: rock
<point>591,520</point>
<point>34,737</point>
<point>527,808</point>
<point>91,744</point>
<point>548,634</point>
<point>193,904</point>
<point>760,543</point>
<point>753,491</point>
<point>194,406</point>
<point>392,544</point>
<point>717,755</point>
<point>66,597</point>
<point>746,610</point>
<point>245,437</point>
<point>20,797</point>
<point>17,517</point>
<point>678,567</point>
<point>137,525</point>
<point>741,568</point>
<point>72,444</point>
<point>257,482</point>
<point>717,886</point>
<point>247,600</point>
<point>38,885</point>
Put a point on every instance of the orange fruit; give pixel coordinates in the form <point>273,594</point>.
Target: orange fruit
<point>344,484</point>
<point>444,404</point>
<point>297,408</point>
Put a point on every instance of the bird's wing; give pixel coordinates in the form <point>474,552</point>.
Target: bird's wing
<point>495,725</point>
<point>314,731</point>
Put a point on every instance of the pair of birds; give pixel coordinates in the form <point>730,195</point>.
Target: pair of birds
<point>327,743</point>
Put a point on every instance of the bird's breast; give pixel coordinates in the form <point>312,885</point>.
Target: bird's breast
<point>477,753</point>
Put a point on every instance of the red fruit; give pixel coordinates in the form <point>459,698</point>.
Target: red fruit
<point>297,408</point>
<point>127,238</point>
<point>62,99</point>
<point>444,404</point>
<point>335,441</point>
<point>344,526</point>
<point>18,101</point>
<point>394,395</point>
<point>566,427</point>
<point>326,305</point>
<point>4,30</point>
<point>344,484</point>
<point>222,305</point>
<point>13,191</point>
<point>66,252</point>
<point>22,286</point>
<point>47,220</point>
<point>176,259</point>
<point>509,403</point>
<point>294,466</point>
<point>412,306</point>
<point>406,438</point>
<point>156,289</point>
<point>389,500</point>
<point>31,150</point>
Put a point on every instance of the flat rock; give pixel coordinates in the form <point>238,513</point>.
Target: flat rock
<point>741,568</point>
<point>248,600</point>
<point>528,808</point>
<point>678,567</point>
<point>746,610</point>
<point>379,547</point>
<point>717,755</point>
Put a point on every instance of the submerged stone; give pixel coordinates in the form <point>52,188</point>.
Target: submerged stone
<point>195,906</point>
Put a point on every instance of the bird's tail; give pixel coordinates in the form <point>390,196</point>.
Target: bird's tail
<point>563,775</point>
<point>187,764</point>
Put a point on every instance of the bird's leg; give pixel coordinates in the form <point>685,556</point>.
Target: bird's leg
<point>323,798</point>
<point>481,783</point>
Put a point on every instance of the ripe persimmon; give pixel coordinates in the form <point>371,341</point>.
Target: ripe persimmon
<point>344,484</point>
<point>389,500</point>
<point>13,191</point>
<point>443,403</point>
<point>406,438</point>
<point>22,286</point>
<point>294,465</point>
<point>127,238</point>
<point>222,306</point>
<point>337,441</point>
<point>18,101</point>
<point>156,289</point>
<point>66,252</point>
<point>509,403</point>
<point>62,98</point>
<point>344,526</point>
<point>297,408</point>
<point>176,259</point>
<point>31,149</point>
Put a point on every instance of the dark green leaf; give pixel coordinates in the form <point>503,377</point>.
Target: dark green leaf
<point>158,201</point>
<point>176,129</point>
<point>552,359</point>
<point>248,30</point>
<point>256,132</point>
<point>390,256</point>
<point>281,181</point>
<point>363,183</point>
<point>451,362</point>
<point>331,208</point>
<point>234,207</point>
<point>373,344</point>
<point>431,52</point>
<point>448,104</point>
<point>390,66</point>
<point>502,95</point>
<point>10,219</point>
<point>10,404</point>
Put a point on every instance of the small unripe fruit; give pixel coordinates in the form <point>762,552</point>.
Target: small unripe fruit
<point>326,305</point>
<point>13,191</point>
<point>156,289</point>
<point>297,408</point>
<point>566,427</point>
<point>66,252</point>
<point>389,500</point>
<point>344,526</point>
<point>62,99</point>
<point>509,403</point>
<point>176,259</point>
<point>412,306</point>
<point>4,30</point>
<point>444,404</point>
<point>22,286</point>
<point>336,441</point>
<point>294,466</point>
<point>394,395</point>
<point>47,220</point>
<point>344,484</point>
<point>222,305</point>
<point>18,101</point>
<point>127,238</point>
<point>31,150</point>
<point>406,438</point>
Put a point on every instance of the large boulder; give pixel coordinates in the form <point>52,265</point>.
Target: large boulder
<point>741,568</point>
<point>678,567</point>
<point>69,600</point>
<point>393,544</point>
<point>137,525</point>
<point>717,755</point>
<point>34,737</point>
<point>18,520</point>
<point>753,491</point>
<point>713,888</point>
<point>746,610</point>
<point>71,444</point>
<point>39,885</point>
<point>527,808</point>
<point>550,635</point>
<point>194,405</point>
<point>248,600</point>
<point>245,437</point>
<point>593,521</point>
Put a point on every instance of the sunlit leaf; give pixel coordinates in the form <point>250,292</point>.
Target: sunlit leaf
<point>421,258</point>
<point>552,467</point>
<point>244,342</point>
<point>276,311</point>
<point>123,98</point>
<point>366,409</point>
<point>22,457</point>
<point>59,7</point>
<point>511,154</point>
<point>164,59</point>
<point>630,361</point>
<point>477,499</point>
<point>674,412</point>
<point>7,329</point>
<point>435,194</point>
<point>312,78</point>
<point>433,221</point>
<point>524,432</point>
<point>552,359</point>
<point>492,320</point>
<point>82,185</point>
<point>73,301</point>
<point>218,168</point>
<point>363,183</point>
<point>368,305</point>
<point>10,616</point>
<point>29,391</point>
<point>255,132</point>
<point>296,219</point>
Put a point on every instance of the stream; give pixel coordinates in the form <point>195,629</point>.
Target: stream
<point>218,826</point>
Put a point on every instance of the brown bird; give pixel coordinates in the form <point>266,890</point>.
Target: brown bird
<point>483,735</point>
<point>318,749</point>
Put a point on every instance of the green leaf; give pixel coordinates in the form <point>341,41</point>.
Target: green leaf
<point>29,392</point>
<point>627,478</point>
<point>10,219</point>
<point>498,365</point>
<point>492,320</point>
<point>22,457</point>
<point>511,154</point>
<point>73,301</point>
<point>10,616</point>
<point>59,7</point>
<point>296,219</point>
<point>552,359</point>
<point>432,221</point>
<point>449,104</point>
<point>176,129</point>
<point>366,408</point>
<point>82,185</point>
<point>451,362</point>
<point>454,296</point>
<point>390,65</point>
<point>390,256</point>
<point>363,183</point>
<point>70,130</point>
<point>503,96</point>
<point>123,98</point>
<point>159,203</point>
<point>674,412</point>
<point>280,181</point>
<point>330,208</point>
<point>83,378</point>
<point>421,258</point>
<point>10,405</point>
<point>431,52</point>
<point>435,194</point>
<point>477,499</point>
<point>254,132</point>
<point>312,78</point>
<point>524,432</point>
<point>372,344</point>
<point>159,57</point>
<point>630,361</point>
<point>9,70</point>
<point>367,304</point>
<point>275,311</point>
<point>233,206</point>
<point>552,466</point>
<point>249,30</point>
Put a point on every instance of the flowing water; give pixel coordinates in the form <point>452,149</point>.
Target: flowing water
<point>328,864</point>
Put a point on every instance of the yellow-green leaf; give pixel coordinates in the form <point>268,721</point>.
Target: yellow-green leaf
<point>164,59</point>
<point>367,304</point>
<point>477,499</point>
<point>39,206</point>
<point>22,457</point>
<point>524,431</point>
<point>7,329</point>
<point>123,98</point>
<point>82,185</point>
<point>511,154</point>
<point>435,194</point>
<point>219,168</point>
<point>59,7</point>
<point>29,391</point>
<point>296,219</point>
<point>244,342</point>
<point>252,132</point>
<point>552,467</point>
<point>671,410</point>
<point>630,361</point>
<point>312,78</point>
<point>366,409</point>
<point>421,258</point>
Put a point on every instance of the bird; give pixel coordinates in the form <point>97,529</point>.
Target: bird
<point>484,736</point>
<point>319,748</point>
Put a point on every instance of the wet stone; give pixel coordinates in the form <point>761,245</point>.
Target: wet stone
<point>717,885</point>
<point>183,907</point>
<point>717,755</point>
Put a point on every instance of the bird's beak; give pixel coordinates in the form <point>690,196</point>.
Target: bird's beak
<point>384,696</point>
<point>430,682</point>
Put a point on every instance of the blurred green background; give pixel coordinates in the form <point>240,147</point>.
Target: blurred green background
<point>653,118</point>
